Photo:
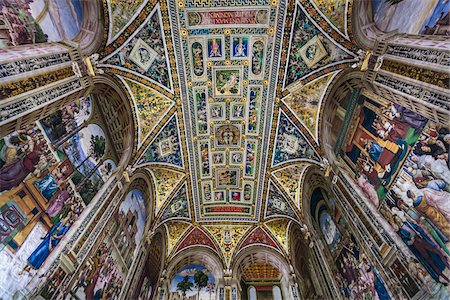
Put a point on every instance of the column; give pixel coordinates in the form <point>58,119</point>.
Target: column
<point>37,80</point>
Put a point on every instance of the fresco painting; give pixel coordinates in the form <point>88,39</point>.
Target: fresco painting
<point>48,175</point>
<point>310,49</point>
<point>131,220</point>
<point>59,20</point>
<point>215,48</point>
<point>103,274</point>
<point>101,277</point>
<point>356,276</point>
<point>184,283</point>
<point>418,207</point>
<point>239,47</point>
<point>335,11</point>
<point>380,144</point>
<point>430,17</point>
<point>329,230</point>
<point>121,13</point>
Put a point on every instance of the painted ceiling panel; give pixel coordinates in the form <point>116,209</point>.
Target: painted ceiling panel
<point>227,105</point>
<point>228,98</point>
<point>311,48</point>
<point>144,53</point>
<point>290,179</point>
<point>149,105</point>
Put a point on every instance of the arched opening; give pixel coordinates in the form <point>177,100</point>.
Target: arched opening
<point>423,17</point>
<point>193,268</point>
<point>338,246</point>
<point>252,293</point>
<point>148,280</point>
<point>52,172</point>
<point>302,263</point>
<point>375,18</point>
<point>260,272</point>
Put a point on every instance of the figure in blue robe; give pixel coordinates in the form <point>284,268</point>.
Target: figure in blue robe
<point>47,186</point>
<point>50,241</point>
<point>379,286</point>
<point>375,150</point>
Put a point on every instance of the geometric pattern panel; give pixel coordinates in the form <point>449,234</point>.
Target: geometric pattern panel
<point>145,53</point>
<point>310,48</point>
<point>279,229</point>
<point>259,236</point>
<point>227,236</point>
<point>289,178</point>
<point>175,231</point>
<point>165,182</point>
<point>150,106</point>
<point>165,147</point>
<point>306,102</point>
<point>277,205</point>
<point>290,143</point>
<point>178,206</point>
<point>196,237</point>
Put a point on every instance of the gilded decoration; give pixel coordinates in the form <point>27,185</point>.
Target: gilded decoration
<point>175,231</point>
<point>165,182</point>
<point>227,237</point>
<point>34,82</point>
<point>279,229</point>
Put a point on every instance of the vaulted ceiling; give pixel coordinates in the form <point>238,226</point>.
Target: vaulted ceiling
<point>227,99</point>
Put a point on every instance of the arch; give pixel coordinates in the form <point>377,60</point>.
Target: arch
<point>91,34</point>
<point>258,253</point>
<point>154,268</point>
<point>365,32</point>
<point>252,293</point>
<point>117,111</point>
<point>313,178</point>
<point>300,256</point>
<point>339,93</point>
<point>196,255</point>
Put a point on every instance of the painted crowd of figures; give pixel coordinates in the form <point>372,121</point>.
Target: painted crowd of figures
<point>401,162</point>
<point>49,172</point>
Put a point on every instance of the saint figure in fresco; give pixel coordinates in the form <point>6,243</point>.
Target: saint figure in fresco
<point>43,250</point>
<point>429,206</point>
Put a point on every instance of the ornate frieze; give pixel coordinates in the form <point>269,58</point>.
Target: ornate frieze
<point>428,76</point>
<point>432,97</point>
<point>29,103</point>
<point>424,55</point>
<point>19,87</point>
<point>31,64</point>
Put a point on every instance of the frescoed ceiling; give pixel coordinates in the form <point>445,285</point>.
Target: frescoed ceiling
<point>227,99</point>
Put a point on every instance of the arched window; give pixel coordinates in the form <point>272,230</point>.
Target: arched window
<point>252,293</point>
<point>276,293</point>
